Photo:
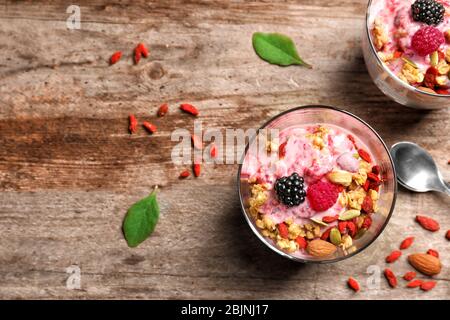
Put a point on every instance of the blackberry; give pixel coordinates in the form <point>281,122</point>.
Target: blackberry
<point>430,12</point>
<point>290,190</point>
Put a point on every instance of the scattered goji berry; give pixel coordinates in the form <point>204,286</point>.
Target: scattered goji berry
<point>428,223</point>
<point>326,234</point>
<point>213,151</point>
<point>367,205</point>
<point>364,155</point>
<point>142,49</point>
<point>393,256</point>
<point>282,150</point>
<point>390,277</point>
<point>283,230</point>
<point>115,57</point>
<point>367,222</point>
<point>351,229</point>
<point>196,167</point>
<point>133,123</point>
<point>409,275</point>
<point>163,109</point>
<point>353,284</point>
<point>189,108</point>
<point>428,285</point>
<point>197,142</point>
<point>330,219</point>
<point>302,243</point>
<point>442,91</point>
<point>433,252</point>
<point>447,234</point>
<point>150,127</point>
<point>185,174</point>
<point>137,55</point>
<point>376,169</point>
<point>342,226</point>
<point>406,243</point>
<point>415,283</point>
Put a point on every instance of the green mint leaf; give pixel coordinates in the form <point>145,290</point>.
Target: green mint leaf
<point>277,49</point>
<point>141,220</point>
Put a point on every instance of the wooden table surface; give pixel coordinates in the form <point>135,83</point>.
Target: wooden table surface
<point>69,170</point>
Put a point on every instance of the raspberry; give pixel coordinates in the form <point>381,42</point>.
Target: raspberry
<point>427,40</point>
<point>322,195</point>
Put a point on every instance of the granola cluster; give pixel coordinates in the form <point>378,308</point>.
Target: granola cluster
<point>358,196</point>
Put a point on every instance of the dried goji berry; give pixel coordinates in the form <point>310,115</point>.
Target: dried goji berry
<point>364,155</point>
<point>415,283</point>
<point>163,109</point>
<point>213,151</point>
<point>397,54</point>
<point>142,49</point>
<point>342,226</point>
<point>430,77</point>
<point>393,256</point>
<point>447,234</point>
<point>302,243</point>
<point>283,230</point>
<point>366,185</point>
<point>196,167</point>
<point>409,275</point>
<point>428,223</point>
<point>185,174</point>
<point>367,222</point>
<point>351,228</point>
<point>433,252</point>
<point>353,284</point>
<point>406,243</point>
<point>330,219</point>
<point>373,177</point>
<point>326,234</point>
<point>376,169</point>
<point>282,150</point>
<point>427,286</point>
<point>133,123</point>
<point>197,142</point>
<point>189,108</point>
<point>115,57</point>
<point>390,277</point>
<point>150,127</point>
<point>137,55</point>
<point>442,91</point>
<point>367,205</point>
<point>352,139</point>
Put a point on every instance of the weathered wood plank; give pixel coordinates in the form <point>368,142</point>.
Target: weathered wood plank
<point>69,169</point>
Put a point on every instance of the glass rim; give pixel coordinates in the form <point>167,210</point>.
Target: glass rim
<point>272,246</point>
<point>380,63</point>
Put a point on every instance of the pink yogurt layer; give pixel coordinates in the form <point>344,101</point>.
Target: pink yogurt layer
<point>308,161</point>
<point>397,18</point>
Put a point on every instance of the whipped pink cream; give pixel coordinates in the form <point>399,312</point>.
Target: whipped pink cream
<point>337,152</point>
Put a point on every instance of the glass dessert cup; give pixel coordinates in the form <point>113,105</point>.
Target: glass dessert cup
<point>396,89</point>
<point>324,115</point>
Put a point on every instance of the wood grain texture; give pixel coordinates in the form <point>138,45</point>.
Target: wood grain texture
<point>69,170</point>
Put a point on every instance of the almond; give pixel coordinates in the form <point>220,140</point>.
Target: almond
<point>425,263</point>
<point>321,248</point>
<point>340,177</point>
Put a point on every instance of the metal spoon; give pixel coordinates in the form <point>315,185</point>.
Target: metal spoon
<point>416,169</point>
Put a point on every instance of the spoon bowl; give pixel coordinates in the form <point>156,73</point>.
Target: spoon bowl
<point>416,169</point>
